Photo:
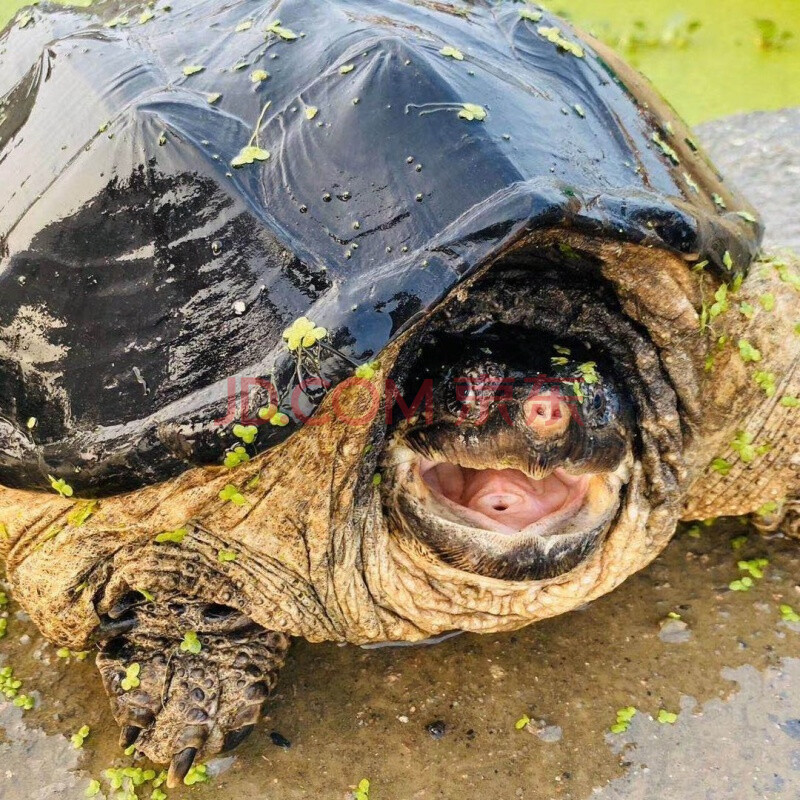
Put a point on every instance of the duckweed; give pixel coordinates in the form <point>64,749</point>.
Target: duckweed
<point>259,75</point>
<point>738,542</point>
<point>131,679</point>
<point>667,717</point>
<point>555,36</point>
<point>530,15</point>
<point>744,584</point>
<point>766,381</point>
<point>665,148</point>
<point>176,536</point>
<point>284,33</point>
<point>727,260</point>
<point>197,774</point>
<point>193,69</point>
<point>82,513</point>
<point>235,457</point>
<point>190,643</point>
<point>362,790</point>
<point>452,52</point>
<point>249,154</point>
<point>247,433</point>
<point>788,614</point>
<point>754,566</point>
<point>368,370</point>
<point>748,352</point>
<point>230,494</point>
<point>522,722</point>
<point>311,112</point>
<point>224,556</point>
<point>472,112</point>
<point>80,737</point>
<point>624,717</point>
<point>743,446</point>
<point>66,653</point>
<point>767,301</point>
<point>303,333</point>
<point>61,486</point>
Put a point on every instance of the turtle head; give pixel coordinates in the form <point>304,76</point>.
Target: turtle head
<point>538,440</point>
<point>512,463</point>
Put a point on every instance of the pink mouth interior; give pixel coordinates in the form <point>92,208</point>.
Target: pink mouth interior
<point>505,500</point>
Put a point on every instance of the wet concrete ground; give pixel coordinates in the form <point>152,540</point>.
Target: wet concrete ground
<point>352,714</point>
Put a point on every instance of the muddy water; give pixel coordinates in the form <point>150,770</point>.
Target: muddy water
<point>352,714</point>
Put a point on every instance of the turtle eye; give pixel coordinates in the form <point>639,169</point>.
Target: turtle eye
<point>596,405</point>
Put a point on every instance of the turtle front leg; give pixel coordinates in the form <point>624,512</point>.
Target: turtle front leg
<point>186,680</point>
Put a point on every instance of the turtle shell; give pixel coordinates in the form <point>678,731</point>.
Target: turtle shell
<point>177,188</point>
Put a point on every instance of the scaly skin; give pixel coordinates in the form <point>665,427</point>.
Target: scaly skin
<point>315,557</point>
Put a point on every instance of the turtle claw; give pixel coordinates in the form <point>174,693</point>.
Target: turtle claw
<point>179,767</point>
<point>234,738</point>
<point>180,704</point>
<point>129,735</point>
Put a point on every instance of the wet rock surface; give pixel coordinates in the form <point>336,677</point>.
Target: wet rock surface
<point>760,153</point>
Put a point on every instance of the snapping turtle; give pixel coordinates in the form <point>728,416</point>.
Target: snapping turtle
<point>362,322</point>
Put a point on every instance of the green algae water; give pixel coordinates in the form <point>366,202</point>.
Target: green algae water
<point>709,58</point>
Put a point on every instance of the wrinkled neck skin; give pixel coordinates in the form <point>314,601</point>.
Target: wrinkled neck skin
<point>316,557</point>
<point>737,404</point>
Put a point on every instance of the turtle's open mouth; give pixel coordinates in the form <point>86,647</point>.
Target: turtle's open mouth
<point>506,522</point>
<point>505,500</point>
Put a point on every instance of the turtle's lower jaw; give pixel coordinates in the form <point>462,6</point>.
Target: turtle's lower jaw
<point>499,522</point>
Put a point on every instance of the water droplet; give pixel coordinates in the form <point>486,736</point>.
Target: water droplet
<point>216,247</point>
<point>419,198</point>
<point>419,167</point>
<point>410,160</point>
<point>303,209</point>
<point>326,197</point>
<point>239,307</point>
<point>356,226</point>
